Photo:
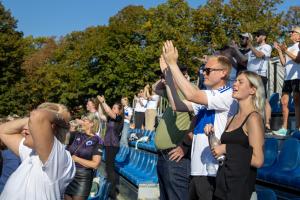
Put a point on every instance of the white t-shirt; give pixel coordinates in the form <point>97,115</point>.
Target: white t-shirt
<point>292,69</point>
<point>220,107</point>
<point>152,102</point>
<point>260,65</point>
<point>34,180</point>
<point>139,107</point>
<point>127,112</point>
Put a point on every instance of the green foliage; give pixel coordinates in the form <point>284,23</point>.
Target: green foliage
<point>121,58</point>
<point>292,17</point>
<point>11,56</point>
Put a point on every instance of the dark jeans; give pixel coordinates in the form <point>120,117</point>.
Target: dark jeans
<point>202,187</point>
<point>139,119</point>
<point>110,154</point>
<point>173,178</point>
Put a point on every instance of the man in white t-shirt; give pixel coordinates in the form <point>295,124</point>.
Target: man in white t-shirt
<point>291,85</point>
<point>258,61</point>
<point>211,106</point>
<point>46,168</point>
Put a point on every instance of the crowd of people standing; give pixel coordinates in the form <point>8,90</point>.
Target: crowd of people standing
<point>233,107</point>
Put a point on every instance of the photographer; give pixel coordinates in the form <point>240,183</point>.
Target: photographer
<point>242,51</point>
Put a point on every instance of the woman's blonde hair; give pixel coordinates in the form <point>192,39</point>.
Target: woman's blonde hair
<point>95,120</point>
<point>259,97</point>
<point>62,111</point>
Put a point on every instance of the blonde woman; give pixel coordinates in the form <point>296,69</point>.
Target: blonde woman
<point>46,167</point>
<point>86,153</point>
<point>242,141</point>
<point>151,108</point>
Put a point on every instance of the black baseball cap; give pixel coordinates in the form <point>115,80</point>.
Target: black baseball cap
<point>260,32</point>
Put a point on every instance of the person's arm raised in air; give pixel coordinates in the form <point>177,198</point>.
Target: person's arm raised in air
<point>237,54</point>
<point>255,129</point>
<point>10,133</point>
<point>41,126</point>
<point>295,58</point>
<point>106,107</point>
<point>101,113</point>
<point>176,103</point>
<point>281,56</point>
<point>257,53</point>
<point>147,92</point>
<point>159,87</point>
<point>191,93</point>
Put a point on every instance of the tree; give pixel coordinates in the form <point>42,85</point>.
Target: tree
<point>121,58</point>
<point>292,16</point>
<point>216,22</point>
<point>11,57</point>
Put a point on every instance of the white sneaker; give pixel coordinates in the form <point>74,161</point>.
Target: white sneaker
<point>280,132</point>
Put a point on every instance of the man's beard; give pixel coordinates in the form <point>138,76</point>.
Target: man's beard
<point>243,46</point>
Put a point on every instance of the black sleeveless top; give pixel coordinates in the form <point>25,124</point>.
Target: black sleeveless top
<point>236,178</point>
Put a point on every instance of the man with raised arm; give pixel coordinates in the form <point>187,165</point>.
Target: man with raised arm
<point>173,165</point>
<point>213,106</point>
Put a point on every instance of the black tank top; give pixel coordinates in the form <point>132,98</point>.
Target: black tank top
<point>236,179</point>
<point>236,136</point>
<point>242,139</point>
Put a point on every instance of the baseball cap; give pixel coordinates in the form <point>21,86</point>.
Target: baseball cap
<point>260,32</point>
<point>295,29</point>
<point>247,35</point>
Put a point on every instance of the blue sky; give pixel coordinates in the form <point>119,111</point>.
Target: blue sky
<point>59,17</point>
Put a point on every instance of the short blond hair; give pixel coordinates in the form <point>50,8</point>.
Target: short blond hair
<point>92,117</point>
<point>61,110</point>
<point>223,62</point>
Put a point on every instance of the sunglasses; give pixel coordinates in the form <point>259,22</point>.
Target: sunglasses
<point>243,38</point>
<point>208,70</point>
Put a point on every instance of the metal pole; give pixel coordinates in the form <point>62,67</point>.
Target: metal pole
<point>275,77</point>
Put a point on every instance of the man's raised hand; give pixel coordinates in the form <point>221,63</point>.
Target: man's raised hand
<point>170,53</point>
<point>162,63</point>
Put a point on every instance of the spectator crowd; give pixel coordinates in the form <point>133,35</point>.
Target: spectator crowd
<point>46,155</point>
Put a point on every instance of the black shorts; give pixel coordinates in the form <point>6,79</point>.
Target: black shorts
<point>290,86</point>
<point>265,82</point>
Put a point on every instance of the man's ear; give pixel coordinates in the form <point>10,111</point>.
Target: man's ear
<point>53,126</point>
<point>225,74</point>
